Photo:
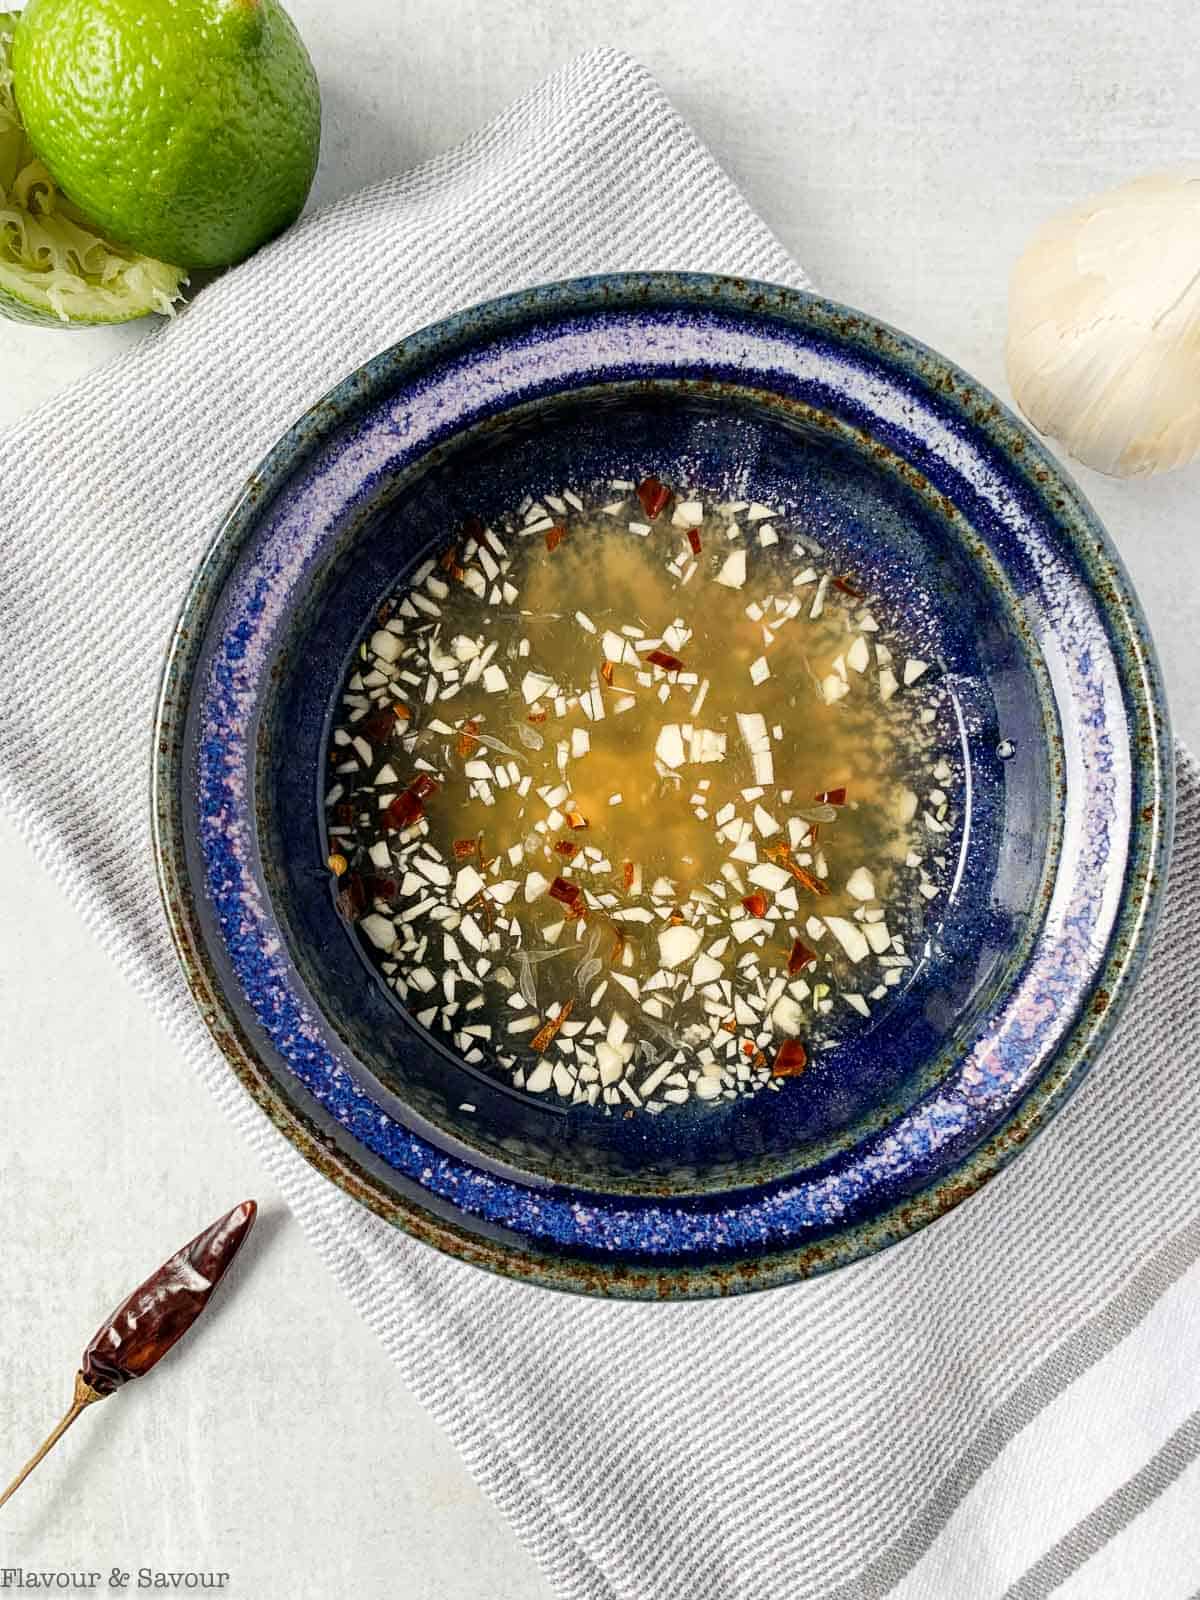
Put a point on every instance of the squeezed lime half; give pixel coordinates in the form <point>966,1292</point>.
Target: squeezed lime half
<point>55,268</point>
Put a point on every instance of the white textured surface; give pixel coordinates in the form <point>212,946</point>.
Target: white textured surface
<point>903,153</point>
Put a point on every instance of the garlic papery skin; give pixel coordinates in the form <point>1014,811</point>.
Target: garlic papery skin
<point>1104,327</point>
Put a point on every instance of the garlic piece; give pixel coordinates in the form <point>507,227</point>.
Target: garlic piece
<point>1104,327</point>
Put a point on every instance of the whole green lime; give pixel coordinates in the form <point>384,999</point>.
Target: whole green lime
<point>185,129</point>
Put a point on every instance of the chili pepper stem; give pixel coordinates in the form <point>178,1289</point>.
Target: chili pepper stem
<point>84,1396</point>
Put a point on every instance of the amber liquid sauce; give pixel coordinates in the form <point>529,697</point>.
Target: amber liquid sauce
<point>616,578</point>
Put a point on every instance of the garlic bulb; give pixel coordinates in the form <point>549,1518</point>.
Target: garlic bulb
<point>1104,327</point>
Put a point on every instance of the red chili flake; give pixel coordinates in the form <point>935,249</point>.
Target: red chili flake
<point>401,712</point>
<point>814,829</point>
<point>676,918</point>
<point>466,738</point>
<point>694,540</point>
<point>554,537</point>
<point>344,812</point>
<point>352,897</point>
<point>409,804</point>
<point>831,797</point>
<point>448,559</point>
<point>730,1026</point>
<point>566,847</point>
<point>548,1032</point>
<point>668,663</point>
<point>801,956</point>
<point>379,725</point>
<point>756,904</point>
<point>576,819</point>
<point>847,587</point>
<point>381,889</point>
<point>562,889</point>
<point>607,669</point>
<point>747,1047</point>
<point>806,879</point>
<point>653,495</point>
<point>778,852</point>
<point>383,615</point>
<point>627,870</point>
<point>537,716</point>
<point>758,1059</point>
<point>618,945</point>
<point>463,848</point>
<point>790,1059</point>
<point>403,811</point>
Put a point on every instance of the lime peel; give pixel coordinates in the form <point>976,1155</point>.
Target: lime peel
<point>54,267</point>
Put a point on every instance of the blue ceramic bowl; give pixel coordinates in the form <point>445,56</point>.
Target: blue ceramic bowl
<point>911,476</point>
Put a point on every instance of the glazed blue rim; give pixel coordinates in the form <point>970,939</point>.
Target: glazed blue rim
<point>1018,1070</point>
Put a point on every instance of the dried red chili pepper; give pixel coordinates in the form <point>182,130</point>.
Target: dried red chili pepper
<point>566,847</point>
<point>151,1320</point>
<point>566,892</point>
<point>554,537</point>
<point>831,797</point>
<point>667,662</point>
<point>380,725</point>
<point>653,496</point>
<point>756,904</point>
<point>423,786</point>
<point>463,848</point>
<point>576,819</point>
<point>607,671</point>
<point>847,587</point>
<point>472,528</point>
<point>466,738</point>
<point>160,1311</point>
<point>693,535</point>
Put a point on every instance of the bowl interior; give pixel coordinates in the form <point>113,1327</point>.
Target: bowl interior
<point>873,516</point>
